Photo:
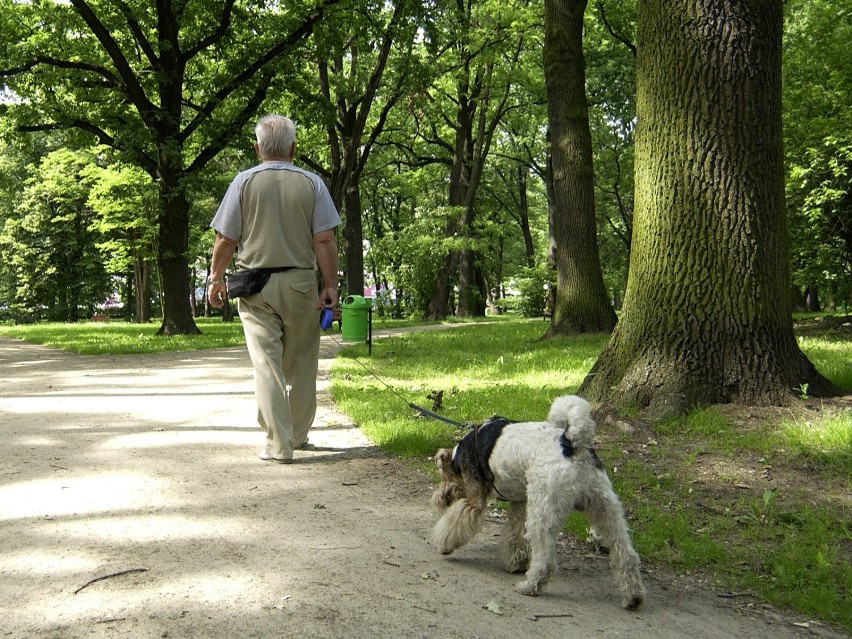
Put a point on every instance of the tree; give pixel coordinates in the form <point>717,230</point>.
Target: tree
<point>818,144</point>
<point>611,87</point>
<point>167,84</point>
<point>479,53</point>
<point>50,244</point>
<point>705,316</point>
<point>582,303</point>
<point>353,54</point>
<point>125,202</point>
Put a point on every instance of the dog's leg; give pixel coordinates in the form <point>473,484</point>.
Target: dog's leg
<point>461,521</point>
<point>545,516</point>
<point>514,547</point>
<point>606,515</point>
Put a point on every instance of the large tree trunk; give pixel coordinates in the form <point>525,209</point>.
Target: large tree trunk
<point>174,261</point>
<point>582,304</point>
<point>706,315</point>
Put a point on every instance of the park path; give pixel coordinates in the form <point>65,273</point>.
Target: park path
<point>132,505</point>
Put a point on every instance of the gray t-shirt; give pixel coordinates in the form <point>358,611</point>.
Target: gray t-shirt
<point>273,211</point>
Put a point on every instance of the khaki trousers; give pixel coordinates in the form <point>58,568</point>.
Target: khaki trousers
<point>282,330</point>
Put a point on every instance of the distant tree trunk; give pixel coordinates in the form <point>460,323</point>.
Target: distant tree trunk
<point>460,179</point>
<point>582,304</point>
<point>141,278</point>
<point>524,215</point>
<point>353,239</point>
<point>812,299</point>
<point>797,300</point>
<point>706,316</point>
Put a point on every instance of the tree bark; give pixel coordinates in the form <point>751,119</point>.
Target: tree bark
<point>174,262</point>
<point>458,196</point>
<point>706,315</point>
<point>524,215</point>
<point>582,304</point>
<point>353,240</point>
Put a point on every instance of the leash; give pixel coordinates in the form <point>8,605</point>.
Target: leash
<point>412,405</point>
<point>483,463</point>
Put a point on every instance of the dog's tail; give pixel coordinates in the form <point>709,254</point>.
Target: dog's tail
<point>574,415</point>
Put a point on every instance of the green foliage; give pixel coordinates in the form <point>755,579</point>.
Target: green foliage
<point>534,285</point>
<point>405,180</point>
<point>167,86</point>
<point>50,245</point>
<point>125,201</point>
<point>611,82</point>
<point>817,122</point>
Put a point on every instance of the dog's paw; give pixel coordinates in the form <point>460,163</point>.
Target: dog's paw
<point>443,543</point>
<point>528,587</point>
<point>517,562</point>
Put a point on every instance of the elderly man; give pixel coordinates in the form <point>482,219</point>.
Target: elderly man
<point>277,216</point>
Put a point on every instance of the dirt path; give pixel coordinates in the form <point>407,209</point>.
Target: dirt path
<point>147,464</point>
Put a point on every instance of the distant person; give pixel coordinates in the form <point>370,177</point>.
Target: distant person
<point>277,216</point>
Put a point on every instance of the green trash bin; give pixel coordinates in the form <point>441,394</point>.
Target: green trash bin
<point>354,315</point>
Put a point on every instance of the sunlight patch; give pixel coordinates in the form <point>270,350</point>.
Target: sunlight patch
<point>35,562</point>
<point>81,495</point>
<point>154,528</point>
<point>165,437</point>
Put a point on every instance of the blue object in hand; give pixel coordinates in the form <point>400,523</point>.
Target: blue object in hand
<point>326,318</point>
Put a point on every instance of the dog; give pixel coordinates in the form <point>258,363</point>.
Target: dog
<point>544,470</point>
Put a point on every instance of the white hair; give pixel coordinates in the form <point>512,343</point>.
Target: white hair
<point>275,136</point>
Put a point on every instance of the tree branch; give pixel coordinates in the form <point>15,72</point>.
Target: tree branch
<point>623,40</point>
<point>136,31</point>
<point>220,32</point>
<point>235,125</point>
<point>132,87</point>
<point>148,164</point>
<point>111,79</point>
<point>303,31</point>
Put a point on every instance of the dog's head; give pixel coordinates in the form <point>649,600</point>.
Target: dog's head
<point>451,487</point>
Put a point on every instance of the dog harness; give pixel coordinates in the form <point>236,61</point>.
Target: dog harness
<point>474,450</point>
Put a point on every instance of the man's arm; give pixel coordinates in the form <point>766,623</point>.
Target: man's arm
<point>223,251</point>
<point>325,246</point>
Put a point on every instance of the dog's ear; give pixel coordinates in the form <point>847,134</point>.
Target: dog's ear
<point>443,458</point>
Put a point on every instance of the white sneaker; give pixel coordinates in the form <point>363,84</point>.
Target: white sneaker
<point>265,456</point>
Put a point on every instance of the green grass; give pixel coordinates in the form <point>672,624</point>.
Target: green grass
<point>483,369</point>
<point>123,338</point>
<point>830,353</point>
<point>759,508</point>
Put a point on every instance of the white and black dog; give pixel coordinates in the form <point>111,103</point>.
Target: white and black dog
<point>544,470</point>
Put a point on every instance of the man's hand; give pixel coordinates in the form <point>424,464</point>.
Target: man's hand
<point>217,293</point>
<point>328,297</point>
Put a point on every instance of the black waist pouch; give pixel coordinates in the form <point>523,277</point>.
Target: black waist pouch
<point>250,281</point>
